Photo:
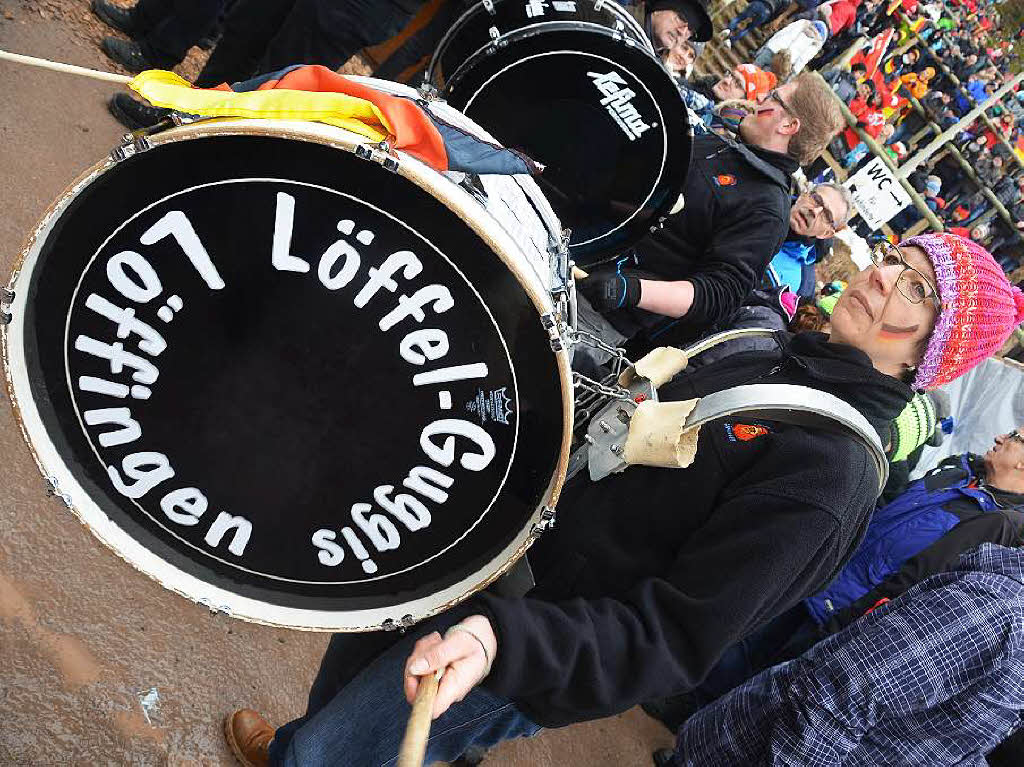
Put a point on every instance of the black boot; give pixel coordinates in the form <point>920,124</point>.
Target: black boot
<point>127,54</point>
<point>134,114</point>
<point>663,757</point>
<point>114,16</point>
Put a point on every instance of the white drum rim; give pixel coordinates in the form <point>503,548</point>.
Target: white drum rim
<point>54,468</point>
<point>615,9</point>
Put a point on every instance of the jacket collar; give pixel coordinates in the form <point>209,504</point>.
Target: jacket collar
<point>847,373</point>
<point>805,359</point>
<point>751,156</point>
<point>783,162</point>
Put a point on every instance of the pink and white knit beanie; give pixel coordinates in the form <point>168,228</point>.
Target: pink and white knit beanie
<point>980,308</point>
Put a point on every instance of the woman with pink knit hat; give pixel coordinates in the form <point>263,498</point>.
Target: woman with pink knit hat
<point>929,309</point>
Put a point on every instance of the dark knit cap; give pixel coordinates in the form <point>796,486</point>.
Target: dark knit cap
<point>694,12</point>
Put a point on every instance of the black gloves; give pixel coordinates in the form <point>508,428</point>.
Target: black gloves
<point>608,291</point>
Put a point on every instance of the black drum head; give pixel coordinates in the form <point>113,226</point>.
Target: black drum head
<point>291,374</point>
<point>603,117</point>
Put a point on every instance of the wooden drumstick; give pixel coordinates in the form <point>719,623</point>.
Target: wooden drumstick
<point>414,744</point>
<point>56,66</point>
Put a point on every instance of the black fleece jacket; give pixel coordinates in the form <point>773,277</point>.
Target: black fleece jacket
<point>735,218</point>
<point>650,574</point>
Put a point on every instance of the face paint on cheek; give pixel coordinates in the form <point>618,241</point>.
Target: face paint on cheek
<point>896,333</point>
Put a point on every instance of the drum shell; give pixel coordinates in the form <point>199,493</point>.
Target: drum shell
<point>540,89</point>
<point>535,283</point>
<point>478,30</point>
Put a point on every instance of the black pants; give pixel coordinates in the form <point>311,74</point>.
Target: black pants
<point>166,29</point>
<point>263,36</point>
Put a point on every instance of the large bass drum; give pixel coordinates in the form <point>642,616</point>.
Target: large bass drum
<point>577,86</point>
<point>293,377</point>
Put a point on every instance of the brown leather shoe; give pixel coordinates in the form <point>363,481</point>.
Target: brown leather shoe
<point>248,735</point>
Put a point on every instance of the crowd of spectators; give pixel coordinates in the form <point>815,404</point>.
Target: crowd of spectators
<point>908,71</point>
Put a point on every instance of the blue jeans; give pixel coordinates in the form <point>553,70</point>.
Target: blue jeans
<point>757,12</point>
<point>363,721</point>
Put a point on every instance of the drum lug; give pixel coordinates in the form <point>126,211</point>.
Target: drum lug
<point>401,625</point>
<point>6,299</point>
<point>547,521</point>
<point>379,154</point>
<point>53,489</point>
<point>428,92</point>
<point>130,145</point>
<point>558,253</point>
<point>550,324</point>
<point>214,609</point>
<point>489,7</point>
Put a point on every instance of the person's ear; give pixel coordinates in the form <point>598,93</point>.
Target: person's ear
<point>791,127</point>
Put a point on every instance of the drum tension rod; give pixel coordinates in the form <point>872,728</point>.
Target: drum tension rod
<point>547,521</point>
<point>53,489</point>
<point>379,155</point>
<point>401,625</point>
<point>138,141</point>
<point>6,299</point>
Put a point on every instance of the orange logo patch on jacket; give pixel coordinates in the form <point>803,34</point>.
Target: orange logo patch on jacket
<point>725,179</point>
<point>745,431</point>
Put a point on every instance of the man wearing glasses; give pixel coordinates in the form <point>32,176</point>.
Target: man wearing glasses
<point>816,216</point>
<point>695,271</point>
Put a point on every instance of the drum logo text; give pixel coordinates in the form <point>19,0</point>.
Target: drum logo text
<point>449,443</point>
<point>618,100</point>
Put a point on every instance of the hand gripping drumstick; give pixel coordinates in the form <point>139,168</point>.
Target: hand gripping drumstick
<point>414,744</point>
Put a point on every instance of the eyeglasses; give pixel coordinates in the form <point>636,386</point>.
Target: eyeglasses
<point>773,94</point>
<point>819,202</point>
<point>912,285</point>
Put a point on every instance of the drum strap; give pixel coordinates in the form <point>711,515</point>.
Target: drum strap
<point>783,403</point>
<point>797,405</point>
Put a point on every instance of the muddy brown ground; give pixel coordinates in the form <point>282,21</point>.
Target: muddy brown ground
<point>83,636</point>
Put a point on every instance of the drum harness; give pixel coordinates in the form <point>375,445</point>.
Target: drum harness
<point>607,408</point>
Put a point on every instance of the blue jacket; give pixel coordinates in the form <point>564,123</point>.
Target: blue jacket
<point>787,266</point>
<point>925,513</point>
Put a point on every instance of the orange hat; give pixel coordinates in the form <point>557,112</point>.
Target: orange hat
<point>756,81</point>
